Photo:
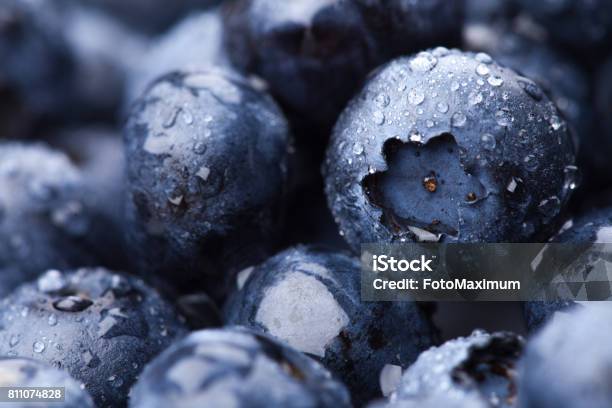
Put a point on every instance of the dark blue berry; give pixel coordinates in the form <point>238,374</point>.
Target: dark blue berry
<point>48,217</point>
<point>206,156</point>
<point>449,146</point>
<point>314,54</point>
<point>235,367</point>
<point>311,299</point>
<point>474,371</point>
<point>26,373</point>
<point>99,326</point>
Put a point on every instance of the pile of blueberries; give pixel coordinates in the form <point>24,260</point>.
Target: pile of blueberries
<point>185,185</point>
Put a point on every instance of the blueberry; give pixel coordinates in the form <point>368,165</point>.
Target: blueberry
<point>576,343</point>
<point>36,62</point>
<point>207,156</point>
<point>235,367</point>
<point>149,16</point>
<point>101,327</point>
<point>581,25</point>
<point>48,219</point>
<point>449,146</point>
<point>194,42</point>
<point>310,298</point>
<point>314,54</point>
<point>23,372</point>
<point>473,371</point>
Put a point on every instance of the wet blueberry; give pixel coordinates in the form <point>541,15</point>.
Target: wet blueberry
<point>235,367</point>
<point>314,54</point>
<point>206,157</point>
<point>474,371</point>
<point>449,146</point>
<point>99,326</point>
<point>47,216</point>
<point>578,343</point>
<point>310,298</point>
<point>26,373</point>
<point>560,77</point>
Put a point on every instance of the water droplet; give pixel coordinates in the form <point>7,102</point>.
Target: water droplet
<point>572,177</point>
<point>38,346</point>
<point>378,117</point>
<point>51,281</point>
<point>503,118</point>
<point>14,340</point>
<point>454,86</point>
<point>474,98</point>
<point>484,58</point>
<point>187,116</point>
<point>72,304</point>
<point>458,119</point>
<point>488,141</point>
<point>530,88</point>
<point>442,107</point>
<point>52,320</point>
<point>555,122</point>
<point>416,96</point>
<point>423,62</point>
<point>495,81</point>
<point>382,100</point>
<point>357,149</point>
<point>482,70</point>
<point>415,137</point>
<point>429,123</point>
<point>171,119</point>
<point>530,162</point>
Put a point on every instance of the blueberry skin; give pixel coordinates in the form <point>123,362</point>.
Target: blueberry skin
<point>24,372</point>
<point>314,54</point>
<point>448,146</point>
<point>578,343</point>
<point>311,299</point>
<point>478,370</point>
<point>48,219</point>
<point>235,367</point>
<point>99,326</point>
<point>581,25</point>
<point>206,168</point>
<point>559,76</point>
<point>199,33</point>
